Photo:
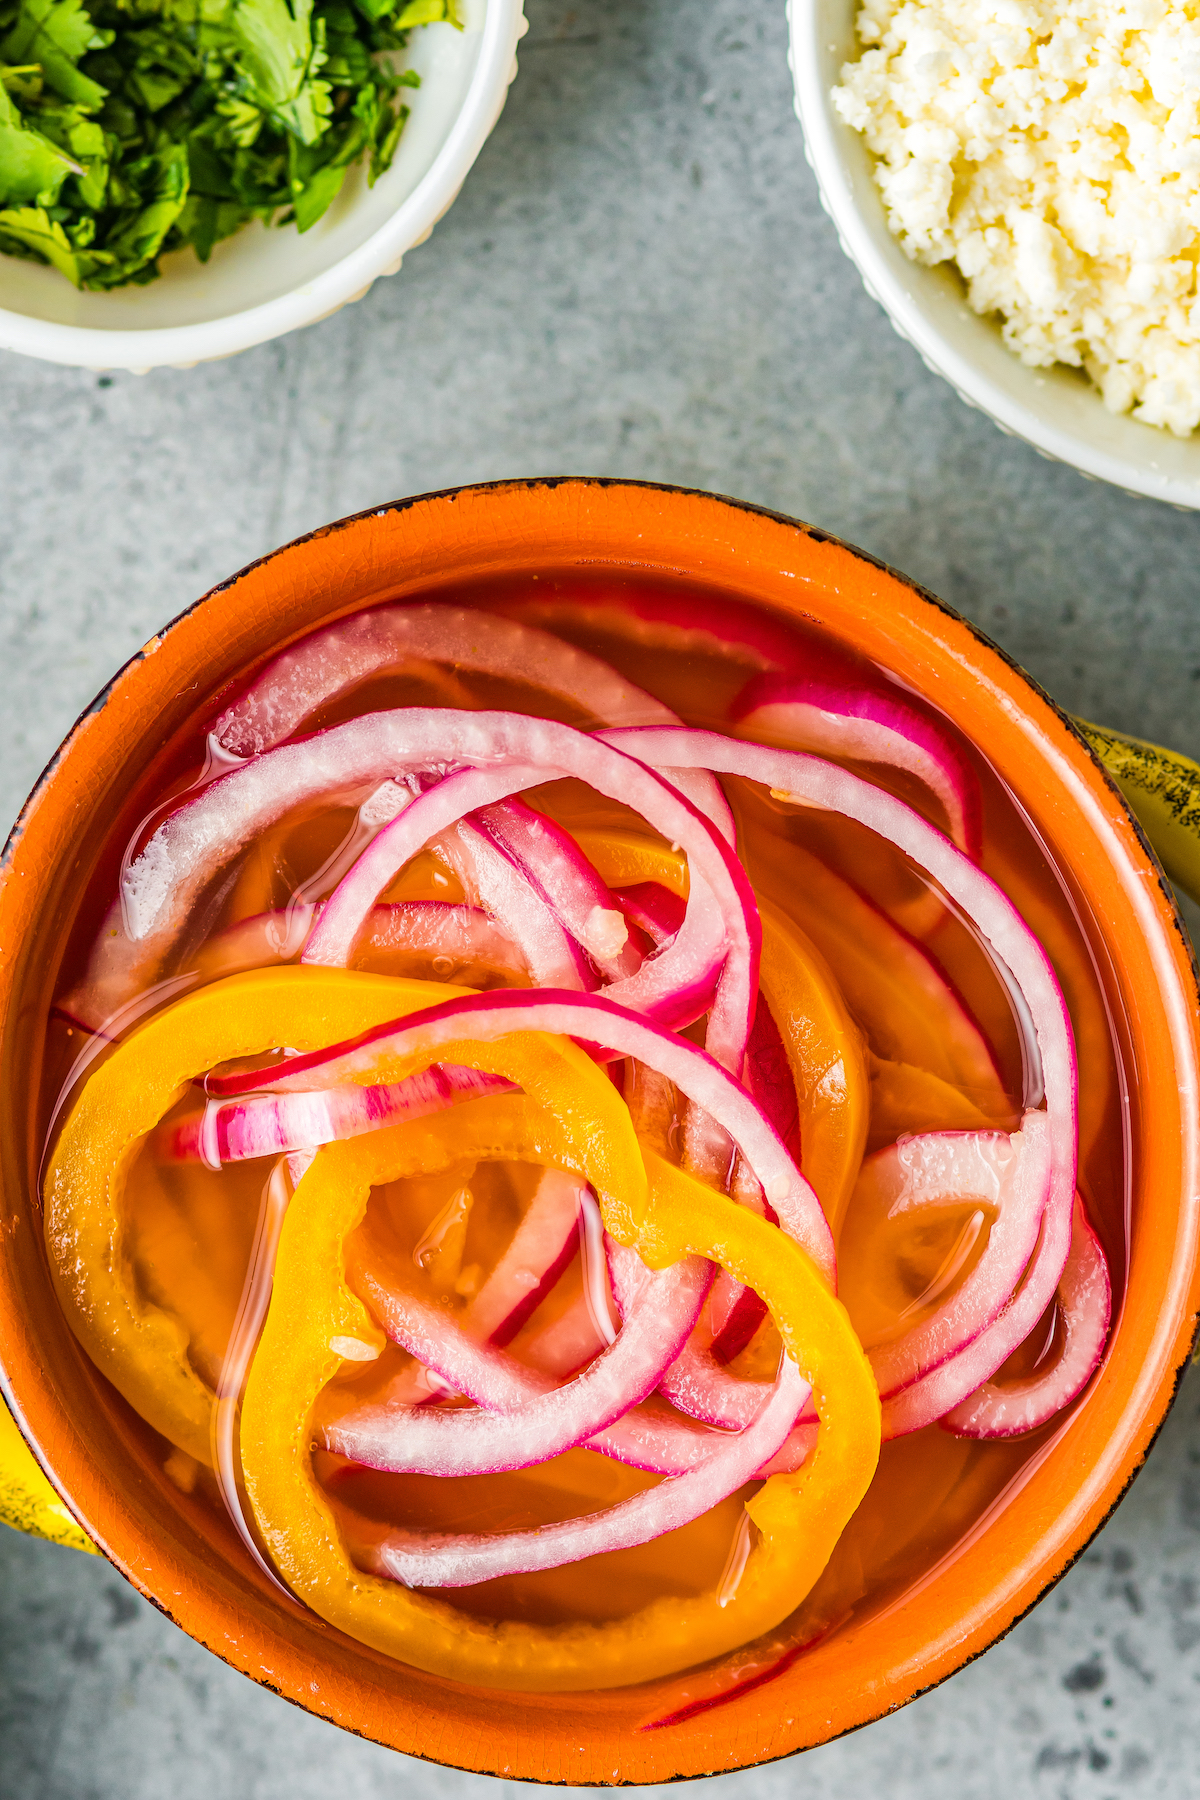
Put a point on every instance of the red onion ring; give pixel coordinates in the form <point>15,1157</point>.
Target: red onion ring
<point>835,717</point>
<point>1048,1043</point>
<point>1008,1171</point>
<point>275,1124</point>
<point>475,1441</point>
<point>721,911</point>
<point>330,662</point>
<point>595,1019</point>
<point>539,1253</point>
<point>565,881</point>
<point>498,881</point>
<point>1084,1304</point>
<point>429,1559</point>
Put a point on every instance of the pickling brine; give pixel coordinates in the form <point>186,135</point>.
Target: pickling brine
<point>585,1120</point>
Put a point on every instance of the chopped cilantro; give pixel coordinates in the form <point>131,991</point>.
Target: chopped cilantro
<point>133,127</point>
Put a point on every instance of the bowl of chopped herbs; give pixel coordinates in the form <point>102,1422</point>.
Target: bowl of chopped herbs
<point>180,179</point>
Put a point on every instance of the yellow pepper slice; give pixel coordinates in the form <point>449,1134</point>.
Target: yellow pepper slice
<point>799,1516</point>
<point>824,1046</point>
<point>140,1346</point>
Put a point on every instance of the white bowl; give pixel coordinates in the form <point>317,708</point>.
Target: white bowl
<point>1056,410</point>
<point>265,281</point>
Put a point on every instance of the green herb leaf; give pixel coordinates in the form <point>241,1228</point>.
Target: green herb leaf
<point>280,56</point>
<point>31,166</point>
<point>56,33</point>
<point>31,228</point>
<point>428,12</point>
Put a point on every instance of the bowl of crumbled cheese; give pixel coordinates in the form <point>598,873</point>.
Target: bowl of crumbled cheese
<point>1018,182</point>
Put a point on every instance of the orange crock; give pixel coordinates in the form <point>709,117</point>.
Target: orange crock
<point>107,1464</point>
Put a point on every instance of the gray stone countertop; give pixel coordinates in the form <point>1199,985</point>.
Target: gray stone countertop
<point>637,280</point>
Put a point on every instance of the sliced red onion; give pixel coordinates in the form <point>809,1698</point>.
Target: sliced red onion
<point>419,935</point>
<point>595,1019</point>
<point>542,1248</point>
<point>428,1559</point>
<point>1084,1305</point>
<point>503,752</point>
<point>252,1310</point>
<point>273,1124</point>
<point>721,911</point>
<point>1008,1173</point>
<point>431,1441</point>
<point>654,909</point>
<point>566,881</point>
<point>926,1401</point>
<point>567,1342</point>
<point>694,1384</point>
<point>645,1437</point>
<point>498,881</point>
<point>820,712</point>
<point>734,630</point>
<point>331,662</point>
<point>1048,1042</point>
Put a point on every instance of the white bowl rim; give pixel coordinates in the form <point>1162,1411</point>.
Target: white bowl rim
<point>348,279</point>
<point>821,126</point>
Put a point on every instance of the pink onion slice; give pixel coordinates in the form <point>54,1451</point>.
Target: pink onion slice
<point>1048,1045</point>
<point>1009,1173</point>
<point>566,881</point>
<point>252,1310</point>
<point>1084,1305</point>
<point>597,1020</point>
<point>734,630</point>
<point>433,1441</point>
<point>721,916</point>
<point>541,1249</point>
<point>274,1124</point>
<point>328,663</point>
<point>191,847</point>
<point>428,1559</point>
<point>836,717</point>
<point>501,885</point>
<point>645,1437</point>
<point>696,1386</point>
<point>564,1344</point>
<point>654,909</point>
<point>431,936</point>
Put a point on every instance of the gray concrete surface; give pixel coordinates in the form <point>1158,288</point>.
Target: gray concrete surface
<point>637,280</point>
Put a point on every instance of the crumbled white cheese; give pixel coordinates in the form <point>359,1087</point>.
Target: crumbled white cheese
<point>1053,152</point>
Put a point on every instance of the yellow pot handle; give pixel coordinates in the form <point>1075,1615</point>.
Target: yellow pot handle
<point>27,1500</point>
<point>1161,786</point>
<point>1163,789</point>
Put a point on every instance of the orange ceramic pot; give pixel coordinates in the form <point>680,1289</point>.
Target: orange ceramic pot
<point>106,1463</point>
